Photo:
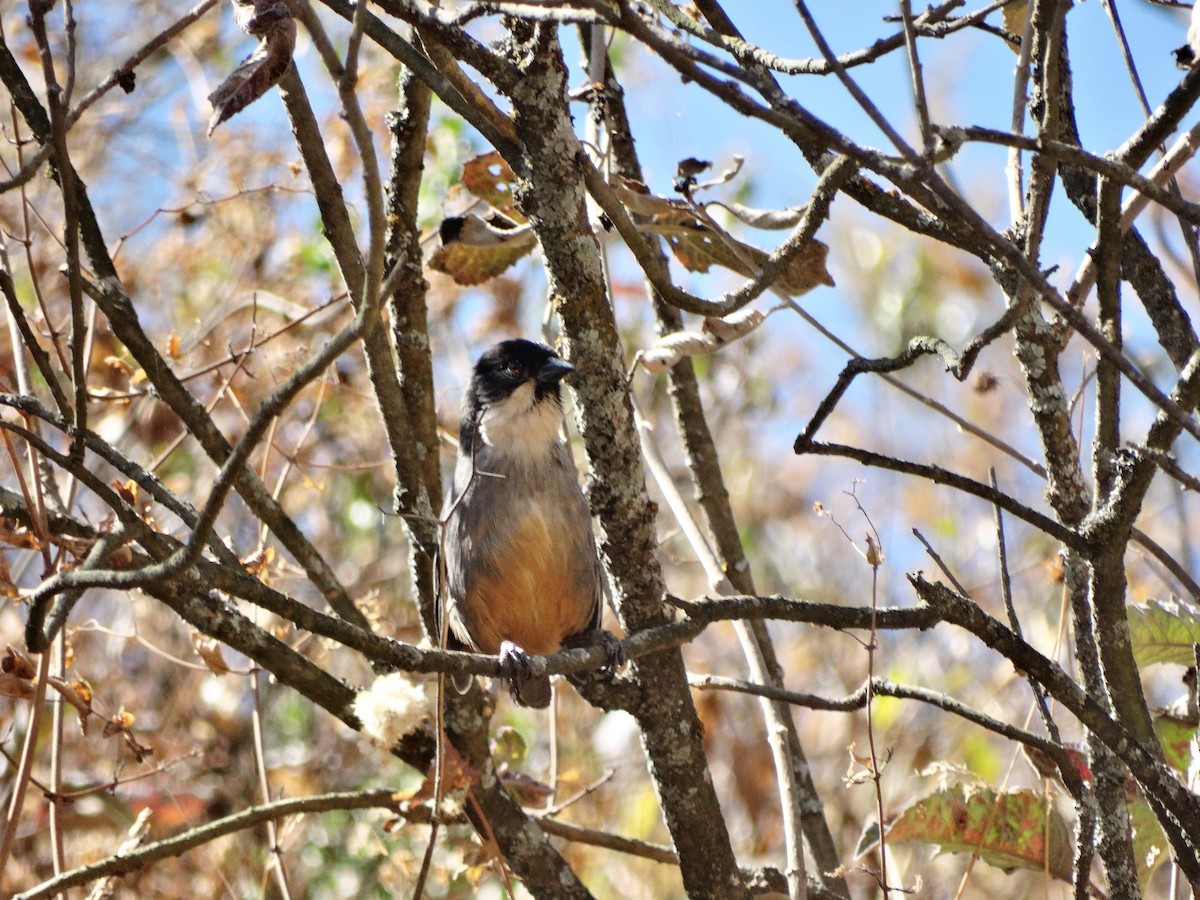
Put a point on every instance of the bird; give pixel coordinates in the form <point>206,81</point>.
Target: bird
<point>522,575</point>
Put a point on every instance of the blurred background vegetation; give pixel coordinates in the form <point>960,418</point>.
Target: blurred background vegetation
<point>219,243</point>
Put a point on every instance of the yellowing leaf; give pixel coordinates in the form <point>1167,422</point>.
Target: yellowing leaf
<point>1177,736</point>
<point>82,690</point>
<point>1014,830</point>
<point>475,250</point>
<point>490,179</point>
<point>1015,15</point>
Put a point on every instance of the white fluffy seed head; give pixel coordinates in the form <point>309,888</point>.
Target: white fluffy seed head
<point>392,707</point>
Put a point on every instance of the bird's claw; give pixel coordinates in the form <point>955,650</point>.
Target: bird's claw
<point>614,650</point>
<point>514,662</point>
<point>517,672</point>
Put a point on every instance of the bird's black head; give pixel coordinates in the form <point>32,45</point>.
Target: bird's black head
<point>503,371</point>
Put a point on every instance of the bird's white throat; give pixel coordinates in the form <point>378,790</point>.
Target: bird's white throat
<point>521,426</point>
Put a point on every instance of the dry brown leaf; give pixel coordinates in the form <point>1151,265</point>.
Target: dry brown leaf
<point>77,547</point>
<point>734,326</point>
<point>15,687</point>
<point>140,751</point>
<point>456,773</point>
<point>670,349</point>
<point>259,562</point>
<point>726,175</point>
<point>128,491</point>
<point>173,350</point>
<point>7,588</point>
<point>119,365</point>
<point>714,334</point>
<point>766,219</point>
<point>121,721</point>
<point>699,248</point>
<point>209,650</point>
<point>490,179</point>
<point>79,694</point>
<point>17,535</point>
<point>17,664</point>
<point>271,22</point>
<point>637,199</point>
<point>529,791</point>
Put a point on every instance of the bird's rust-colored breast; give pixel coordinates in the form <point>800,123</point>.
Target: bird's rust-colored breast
<point>539,587</point>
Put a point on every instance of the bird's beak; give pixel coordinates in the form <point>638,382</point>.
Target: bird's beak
<point>554,371</point>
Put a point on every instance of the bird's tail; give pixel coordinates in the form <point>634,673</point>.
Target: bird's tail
<point>530,690</point>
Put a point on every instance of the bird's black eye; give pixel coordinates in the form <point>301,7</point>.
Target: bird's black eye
<point>513,370</point>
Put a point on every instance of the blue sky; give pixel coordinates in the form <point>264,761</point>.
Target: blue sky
<point>968,81</point>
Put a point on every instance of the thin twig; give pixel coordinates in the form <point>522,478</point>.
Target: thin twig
<point>918,79</point>
<point>260,765</point>
<point>884,687</point>
<point>24,771</point>
<point>933,554</point>
<point>1014,622</point>
<point>383,798</point>
<point>789,792</point>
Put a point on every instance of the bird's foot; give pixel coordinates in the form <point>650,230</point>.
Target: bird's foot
<point>526,688</point>
<point>614,650</point>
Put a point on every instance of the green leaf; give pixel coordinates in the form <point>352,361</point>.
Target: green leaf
<point>509,748</point>
<point>1014,830</point>
<point>1163,631</point>
<point>1177,736</point>
<point>1150,848</point>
